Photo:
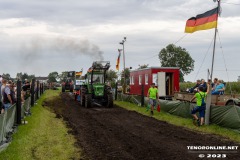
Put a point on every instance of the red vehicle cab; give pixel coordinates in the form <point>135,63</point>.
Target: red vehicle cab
<point>166,80</point>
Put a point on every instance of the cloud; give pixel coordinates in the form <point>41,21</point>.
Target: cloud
<point>68,35</point>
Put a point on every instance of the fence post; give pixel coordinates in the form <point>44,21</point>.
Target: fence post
<point>142,96</point>
<point>116,91</point>
<point>19,101</point>
<point>32,92</point>
<point>40,88</point>
<point>37,89</point>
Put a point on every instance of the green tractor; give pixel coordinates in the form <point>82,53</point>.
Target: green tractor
<point>95,89</point>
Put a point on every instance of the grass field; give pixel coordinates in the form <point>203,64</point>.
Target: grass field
<point>183,122</point>
<point>44,137</point>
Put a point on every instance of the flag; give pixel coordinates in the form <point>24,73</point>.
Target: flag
<point>118,61</point>
<point>79,73</point>
<point>203,21</point>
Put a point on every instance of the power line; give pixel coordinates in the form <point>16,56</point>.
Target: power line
<point>204,59</point>
<point>224,60</point>
<point>230,3</point>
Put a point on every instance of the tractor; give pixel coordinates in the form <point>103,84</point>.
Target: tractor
<point>95,88</point>
<point>68,82</point>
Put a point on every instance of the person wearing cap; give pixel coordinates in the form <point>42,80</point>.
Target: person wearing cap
<point>153,96</point>
<point>6,95</point>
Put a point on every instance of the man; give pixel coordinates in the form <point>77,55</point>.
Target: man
<point>191,90</point>
<point>6,95</point>
<point>204,85</point>
<point>201,105</point>
<point>214,84</point>
<point>219,88</point>
<point>153,96</point>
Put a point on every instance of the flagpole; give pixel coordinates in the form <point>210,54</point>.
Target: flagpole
<point>209,96</point>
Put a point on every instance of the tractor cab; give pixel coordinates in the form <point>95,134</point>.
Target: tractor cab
<point>96,88</point>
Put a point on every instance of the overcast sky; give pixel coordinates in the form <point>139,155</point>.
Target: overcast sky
<point>42,36</point>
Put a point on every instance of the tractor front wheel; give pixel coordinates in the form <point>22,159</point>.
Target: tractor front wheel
<point>88,100</point>
<point>109,100</point>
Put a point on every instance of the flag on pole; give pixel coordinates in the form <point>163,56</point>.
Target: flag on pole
<point>203,21</point>
<point>118,60</point>
<point>79,73</point>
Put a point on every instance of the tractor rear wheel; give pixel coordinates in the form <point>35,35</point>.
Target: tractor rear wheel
<point>88,100</point>
<point>109,101</point>
<point>71,88</point>
<point>82,96</point>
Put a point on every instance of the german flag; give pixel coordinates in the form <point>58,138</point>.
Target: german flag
<point>79,73</point>
<point>118,61</point>
<point>203,21</point>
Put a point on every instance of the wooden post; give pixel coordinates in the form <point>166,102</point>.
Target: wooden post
<point>19,101</point>
<point>37,89</point>
<point>32,92</point>
<point>40,88</point>
<point>116,91</point>
<point>142,96</point>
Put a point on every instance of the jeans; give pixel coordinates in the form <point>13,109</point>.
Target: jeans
<point>7,106</point>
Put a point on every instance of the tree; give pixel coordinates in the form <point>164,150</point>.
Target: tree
<point>6,76</point>
<point>52,77</point>
<point>19,76</point>
<point>30,77</point>
<point>24,76</point>
<point>173,56</point>
<point>143,66</point>
<point>111,77</point>
<point>127,74</point>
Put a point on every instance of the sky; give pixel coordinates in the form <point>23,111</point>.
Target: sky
<point>39,37</point>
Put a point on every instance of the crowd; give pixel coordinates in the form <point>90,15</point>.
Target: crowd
<point>218,87</point>
<point>201,89</point>
<point>8,92</point>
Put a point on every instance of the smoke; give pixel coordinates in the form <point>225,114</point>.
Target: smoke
<point>38,47</point>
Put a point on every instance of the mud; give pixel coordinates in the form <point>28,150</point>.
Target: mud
<point>116,133</point>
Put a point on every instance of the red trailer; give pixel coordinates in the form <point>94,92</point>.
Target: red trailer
<point>166,80</point>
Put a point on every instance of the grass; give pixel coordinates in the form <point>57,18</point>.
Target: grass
<point>44,137</point>
<point>183,122</point>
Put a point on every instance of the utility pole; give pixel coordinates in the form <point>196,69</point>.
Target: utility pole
<point>124,82</point>
<point>209,96</point>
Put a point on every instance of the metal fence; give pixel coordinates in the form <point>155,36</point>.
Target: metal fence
<point>14,116</point>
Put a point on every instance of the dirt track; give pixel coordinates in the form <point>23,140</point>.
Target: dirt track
<point>116,133</point>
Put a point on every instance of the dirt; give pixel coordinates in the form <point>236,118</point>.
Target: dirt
<point>116,133</point>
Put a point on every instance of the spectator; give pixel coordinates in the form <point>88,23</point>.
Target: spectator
<point>219,88</point>
<point>153,96</point>
<point>1,105</point>
<point>201,105</point>
<point>13,92</point>
<point>191,90</point>
<point>214,84</point>
<point>25,88</point>
<point>2,89</point>
<point>6,95</point>
<point>204,85</point>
